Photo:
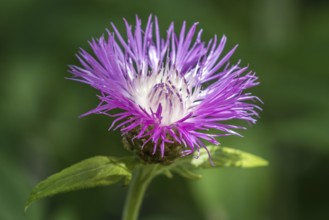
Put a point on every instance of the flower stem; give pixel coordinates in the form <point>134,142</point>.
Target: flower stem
<point>142,176</point>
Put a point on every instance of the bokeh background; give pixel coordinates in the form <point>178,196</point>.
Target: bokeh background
<point>285,41</point>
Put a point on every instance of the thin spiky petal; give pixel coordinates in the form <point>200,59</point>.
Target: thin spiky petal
<point>172,90</point>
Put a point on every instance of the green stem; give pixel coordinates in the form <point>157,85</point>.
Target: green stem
<point>142,176</point>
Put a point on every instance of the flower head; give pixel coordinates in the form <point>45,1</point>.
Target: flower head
<point>171,91</point>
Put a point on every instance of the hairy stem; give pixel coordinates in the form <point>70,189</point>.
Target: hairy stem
<point>142,176</point>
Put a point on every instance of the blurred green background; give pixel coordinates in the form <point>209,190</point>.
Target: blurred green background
<point>285,41</point>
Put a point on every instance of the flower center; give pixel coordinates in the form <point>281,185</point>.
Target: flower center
<point>168,88</point>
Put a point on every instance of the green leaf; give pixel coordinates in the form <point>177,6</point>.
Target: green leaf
<point>187,172</point>
<point>227,157</point>
<point>167,173</point>
<point>92,172</point>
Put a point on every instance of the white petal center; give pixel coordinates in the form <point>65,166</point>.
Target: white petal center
<point>168,88</point>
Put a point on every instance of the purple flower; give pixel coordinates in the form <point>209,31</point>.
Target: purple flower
<point>173,89</point>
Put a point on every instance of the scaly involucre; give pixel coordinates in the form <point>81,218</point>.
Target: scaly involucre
<point>173,89</point>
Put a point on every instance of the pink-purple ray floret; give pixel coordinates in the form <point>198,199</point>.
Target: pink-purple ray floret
<point>216,85</point>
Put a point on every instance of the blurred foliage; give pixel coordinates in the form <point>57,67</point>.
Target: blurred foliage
<point>285,41</point>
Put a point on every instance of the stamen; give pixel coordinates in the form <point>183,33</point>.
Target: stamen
<point>168,88</point>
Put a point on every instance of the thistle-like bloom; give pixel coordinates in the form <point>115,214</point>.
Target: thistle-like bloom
<point>171,91</point>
